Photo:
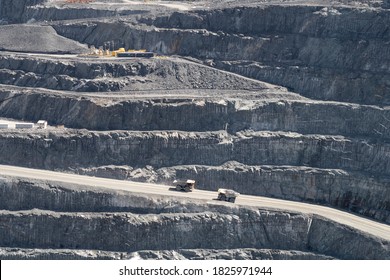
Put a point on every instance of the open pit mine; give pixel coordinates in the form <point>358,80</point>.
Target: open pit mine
<point>104,104</point>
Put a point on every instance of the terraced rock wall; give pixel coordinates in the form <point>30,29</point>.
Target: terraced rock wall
<point>319,135</point>
<point>180,254</point>
<point>89,74</point>
<point>12,10</point>
<point>54,150</point>
<point>322,52</point>
<point>199,113</point>
<point>351,189</point>
<point>200,227</point>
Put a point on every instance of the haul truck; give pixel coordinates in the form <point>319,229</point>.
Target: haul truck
<point>227,195</point>
<point>184,185</point>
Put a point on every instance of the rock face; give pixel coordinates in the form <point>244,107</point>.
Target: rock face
<point>175,148</point>
<point>322,184</point>
<point>185,109</point>
<point>12,10</point>
<point>196,226</point>
<point>181,254</point>
<point>128,232</point>
<point>322,52</point>
<point>338,170</point>
<point>41,39</point>
<point>202,108</point>
<point>91,74</point>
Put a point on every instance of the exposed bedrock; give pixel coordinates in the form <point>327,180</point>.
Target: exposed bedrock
<point>23,194</point>
<point>328,53</point>
<point>40,13</point>
<point>82,69</point>
<point>346,190</point>
<point>319,133</point>
<point>323,53</point>
<point>128,232</point>
<point>353,187</point>
<point>181,254</point>
<point>356,192</point>
<point>21,11</point>
<point>41,39</point>
<point>13,11</point>
<point>364,87</point>
<point>330,48</point>
<point>169,148</point>
<point>195,225</point>
<point>90,74</point>
<point>272,111</point>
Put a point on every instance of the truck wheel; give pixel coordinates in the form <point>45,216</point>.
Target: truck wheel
<point>222,197</point>
<point>178,188</point>
<point>232,199</point>
<point>187,189</point>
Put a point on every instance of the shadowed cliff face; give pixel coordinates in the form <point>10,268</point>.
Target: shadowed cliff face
<point>12,10</point>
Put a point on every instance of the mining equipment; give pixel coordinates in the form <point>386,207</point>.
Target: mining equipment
<point>227,195</point>
<point>184,185</point>
<point>121,52</point>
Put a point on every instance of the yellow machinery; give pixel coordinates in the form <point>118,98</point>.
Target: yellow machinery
<point>121,52</point>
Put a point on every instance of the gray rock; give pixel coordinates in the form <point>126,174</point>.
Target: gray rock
<point>36,39</point>
<point>195,254</point>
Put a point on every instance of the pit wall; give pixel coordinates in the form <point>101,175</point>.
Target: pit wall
<point>22,11</point>
<point>127,232</point>
<point>12,10</point>
<point>181,254</point>
<point>358,193</point>
<point>68,13</point>
<point>172,148</point>
<point>88,74</point>
<point>353,187</point>
<point>202,115</point>
<point>327,53</point>
<point>87,69</point>
<point>351,191</point>
<point>322,52</point>
<point>66,75</point>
